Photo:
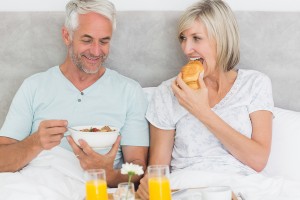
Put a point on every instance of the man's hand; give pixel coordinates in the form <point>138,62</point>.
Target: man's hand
<point>89,159</point>
<point>50,133</point>
<point>143,188</point>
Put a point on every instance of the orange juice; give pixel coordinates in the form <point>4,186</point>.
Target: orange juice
<point>96,190</point>
<point>159,188</point>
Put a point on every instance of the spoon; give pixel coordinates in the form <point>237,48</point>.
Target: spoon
<point>72,128</point>
<point>68,133</point>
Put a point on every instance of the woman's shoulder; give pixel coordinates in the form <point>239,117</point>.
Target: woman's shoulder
<point>166,84</point>
<point>250,75</point>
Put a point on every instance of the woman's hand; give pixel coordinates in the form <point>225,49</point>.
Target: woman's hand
<point>195,101</point>
<point>143,188</point>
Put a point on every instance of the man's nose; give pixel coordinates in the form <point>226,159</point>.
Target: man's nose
<point>95,49</point>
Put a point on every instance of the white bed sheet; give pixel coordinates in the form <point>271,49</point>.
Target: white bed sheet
<point>55,174</point>
<point>253,187</point>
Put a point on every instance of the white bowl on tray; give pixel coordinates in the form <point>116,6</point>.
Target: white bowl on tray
<point>95,139</point>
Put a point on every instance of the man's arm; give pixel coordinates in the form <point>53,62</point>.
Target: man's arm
<point>137,155</point>
<point>14,154</point>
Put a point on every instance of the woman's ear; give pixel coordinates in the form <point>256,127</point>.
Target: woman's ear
<point>66,36</point>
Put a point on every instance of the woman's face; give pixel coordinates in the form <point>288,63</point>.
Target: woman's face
<point>196,45</point>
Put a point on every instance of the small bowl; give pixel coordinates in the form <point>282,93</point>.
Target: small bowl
<point>97,140</point>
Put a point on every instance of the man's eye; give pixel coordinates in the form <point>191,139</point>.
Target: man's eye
<point>103,42</point>
<point>86,41</point>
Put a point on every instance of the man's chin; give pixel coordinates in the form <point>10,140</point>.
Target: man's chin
<point>91,70</point>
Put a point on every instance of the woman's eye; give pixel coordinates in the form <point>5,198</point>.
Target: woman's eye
<point>197,38</point>
<point>182,38</point>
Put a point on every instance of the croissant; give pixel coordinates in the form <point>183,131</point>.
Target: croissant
<point>190,73</point>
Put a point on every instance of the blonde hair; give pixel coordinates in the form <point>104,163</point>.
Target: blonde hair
<point>76,7</point>
<point>221,25</point>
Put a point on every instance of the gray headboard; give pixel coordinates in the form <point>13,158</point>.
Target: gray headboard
<point>145,48</point>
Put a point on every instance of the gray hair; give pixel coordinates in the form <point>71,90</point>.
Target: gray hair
<point>76,7</point>
<point>221,25</point>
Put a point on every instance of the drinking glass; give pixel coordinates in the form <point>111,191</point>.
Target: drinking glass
<point>125,191</point>
<point>96,187</point>
<point>158,181</point>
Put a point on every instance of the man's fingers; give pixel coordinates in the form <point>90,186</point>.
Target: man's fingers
<point>115,147</point>
<point>54,123</point>
<point>87,149</point>
<point>76,149</point>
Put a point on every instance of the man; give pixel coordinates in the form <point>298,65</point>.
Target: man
<point>80,91</point>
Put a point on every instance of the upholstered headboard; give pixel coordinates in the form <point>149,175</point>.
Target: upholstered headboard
<point>145,48</point>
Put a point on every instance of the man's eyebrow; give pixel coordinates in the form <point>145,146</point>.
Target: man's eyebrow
<point>106,38</point>
<point>86,35</point>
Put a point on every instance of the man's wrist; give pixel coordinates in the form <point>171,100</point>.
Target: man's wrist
<point>112,177</point>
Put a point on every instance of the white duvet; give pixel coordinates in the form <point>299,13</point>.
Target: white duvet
<point>253,187</point>
<point>56,174</point>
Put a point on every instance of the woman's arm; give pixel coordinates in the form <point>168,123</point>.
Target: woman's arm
<point>161,146</point>
<point>253,151</point>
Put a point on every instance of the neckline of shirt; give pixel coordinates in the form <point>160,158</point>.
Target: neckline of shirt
<point>71,86</point>
<point>231,92</point>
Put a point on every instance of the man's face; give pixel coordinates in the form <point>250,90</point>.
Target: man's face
<point>90,43</point>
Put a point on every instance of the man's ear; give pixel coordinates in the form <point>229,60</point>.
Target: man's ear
<point>66,36</point>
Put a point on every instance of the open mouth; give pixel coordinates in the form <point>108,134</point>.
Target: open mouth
<point>199,59</point>
<point>92,59</point>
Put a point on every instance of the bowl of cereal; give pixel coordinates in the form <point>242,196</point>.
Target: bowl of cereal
<point>98,137</point>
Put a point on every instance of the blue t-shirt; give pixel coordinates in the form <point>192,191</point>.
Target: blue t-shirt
<point>112,100</point>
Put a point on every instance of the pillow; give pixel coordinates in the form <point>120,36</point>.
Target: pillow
<point>284,159</point>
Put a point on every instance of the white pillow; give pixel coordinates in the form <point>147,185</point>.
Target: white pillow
<point>284,159</point>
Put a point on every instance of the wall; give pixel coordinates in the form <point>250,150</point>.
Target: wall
<point>58,5</point>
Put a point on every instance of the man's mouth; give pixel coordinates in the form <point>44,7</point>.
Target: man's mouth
<point>94,59</point>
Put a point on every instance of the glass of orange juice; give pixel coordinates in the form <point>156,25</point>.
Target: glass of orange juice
<point>158,182</point>
<point>95,184</point>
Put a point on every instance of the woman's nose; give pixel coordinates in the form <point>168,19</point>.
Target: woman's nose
<point>188,47</point>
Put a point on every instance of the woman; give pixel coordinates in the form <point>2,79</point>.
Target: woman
<point>226,125</point>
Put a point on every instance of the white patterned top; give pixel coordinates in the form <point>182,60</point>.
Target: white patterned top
<point>195,147</point>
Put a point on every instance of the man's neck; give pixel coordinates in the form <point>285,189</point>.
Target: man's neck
<point>78,78</point>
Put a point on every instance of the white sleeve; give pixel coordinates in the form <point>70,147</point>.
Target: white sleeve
<point>261,95</point>
<point>160,108</point>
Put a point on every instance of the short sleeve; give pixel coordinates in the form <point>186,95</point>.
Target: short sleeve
<point>18,122</point>
<point>160,109</point>
<point>135,131</point>
<point>261,95</point>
